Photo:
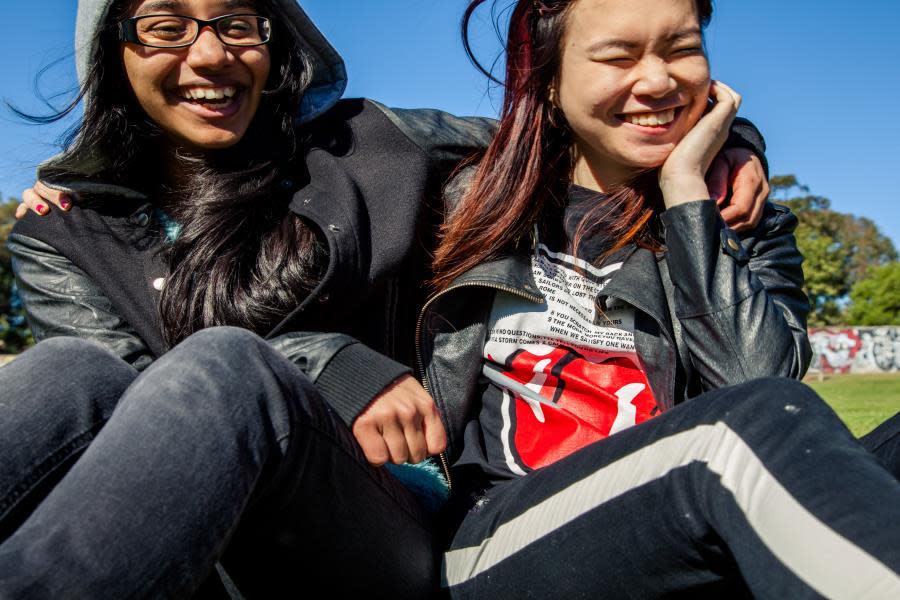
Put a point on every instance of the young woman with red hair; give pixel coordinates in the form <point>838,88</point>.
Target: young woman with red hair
<point>615,365</point>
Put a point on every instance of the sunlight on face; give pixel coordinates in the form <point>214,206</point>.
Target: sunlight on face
<point>634,79</point>
<point>203,96</point>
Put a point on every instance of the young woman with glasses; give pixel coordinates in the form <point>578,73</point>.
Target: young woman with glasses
<point>225,195</point>
<point>605,349</point>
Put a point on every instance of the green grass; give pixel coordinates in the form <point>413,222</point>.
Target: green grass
<point>862,401</point>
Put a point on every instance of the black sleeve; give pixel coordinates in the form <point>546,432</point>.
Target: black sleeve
<point>740,302</point>
<point>744,134</point>
<point>348,374</point>
<point>446,139</point>
<point>61,300</point>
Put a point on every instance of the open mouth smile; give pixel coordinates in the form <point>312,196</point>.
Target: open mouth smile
<point>660,120</point>
<point>209,101</point>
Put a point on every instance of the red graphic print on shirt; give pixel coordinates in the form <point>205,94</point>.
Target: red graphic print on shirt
<point>567,370</point>
<point>577,402</point>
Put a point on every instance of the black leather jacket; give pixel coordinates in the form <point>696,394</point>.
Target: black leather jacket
<point>713,310</point>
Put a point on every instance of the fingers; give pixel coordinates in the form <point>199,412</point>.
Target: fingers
<point>39,198</point>
<point>683,175</point>
<point>435,434</point>
<point>397,442</point>
<point>725,95</point>
<point>405,422</point>
<point>717,179</point>
<point>56,197</point>
<point>372,443</point>
<point>750,190</point>
<point>31,201</point>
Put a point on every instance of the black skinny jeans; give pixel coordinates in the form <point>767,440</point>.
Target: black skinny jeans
<point>120,485</point>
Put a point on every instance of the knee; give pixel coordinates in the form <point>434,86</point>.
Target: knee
<point>222,340</point>
<point>77,359</point>
<point>71,371</point>
<point>779,399</point>
<point>69,350</point>
<point>219,345</point>
<point>228,359</point>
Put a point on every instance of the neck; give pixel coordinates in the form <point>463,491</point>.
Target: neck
<point>598,173</point>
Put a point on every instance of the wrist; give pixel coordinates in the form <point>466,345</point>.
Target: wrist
<point>683,189</point>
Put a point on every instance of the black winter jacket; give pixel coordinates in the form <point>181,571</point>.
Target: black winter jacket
<point>370,183</point>
<point>712,310</point>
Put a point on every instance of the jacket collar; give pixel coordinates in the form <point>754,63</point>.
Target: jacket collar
<point>509,272</point>
<point>637,282</point>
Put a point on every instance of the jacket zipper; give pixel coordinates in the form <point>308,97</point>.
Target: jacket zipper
<point>662,330</point>
<point>420,363</point>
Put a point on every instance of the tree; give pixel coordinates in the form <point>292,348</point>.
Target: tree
<point>839,249</point>
<point>875,300</point>
<point>14,333</point>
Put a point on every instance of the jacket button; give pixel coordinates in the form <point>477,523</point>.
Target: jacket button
<point>732,243</point>
<point>142,219</point>
<point>159,284</point>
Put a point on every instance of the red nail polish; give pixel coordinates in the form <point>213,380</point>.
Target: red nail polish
<point>41,208</point>
<point>65,204</point>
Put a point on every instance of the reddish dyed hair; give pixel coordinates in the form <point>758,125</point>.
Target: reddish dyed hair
<point>528,165</point>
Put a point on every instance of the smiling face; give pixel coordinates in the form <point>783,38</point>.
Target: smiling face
<point>203,96</point>
<point>633,80</point>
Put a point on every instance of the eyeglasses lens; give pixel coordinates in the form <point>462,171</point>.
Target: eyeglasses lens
<point>173,31</point>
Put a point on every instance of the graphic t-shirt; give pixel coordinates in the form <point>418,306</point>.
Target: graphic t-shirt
<point>562,375</point>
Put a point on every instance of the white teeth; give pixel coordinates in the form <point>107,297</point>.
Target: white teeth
<point>201,93</point>
<point>652,119</point>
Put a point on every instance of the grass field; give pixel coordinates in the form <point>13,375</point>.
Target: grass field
<point>862,401</point>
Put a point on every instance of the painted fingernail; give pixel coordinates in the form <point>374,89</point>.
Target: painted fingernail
<point>65,203</point>
<point>41,209</point>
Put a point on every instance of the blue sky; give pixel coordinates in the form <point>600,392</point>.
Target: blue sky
<point>819,77</point>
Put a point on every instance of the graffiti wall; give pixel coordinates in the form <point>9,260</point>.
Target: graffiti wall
<point>855,349</point>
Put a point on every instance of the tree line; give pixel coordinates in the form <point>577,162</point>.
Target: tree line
<point>852,271</point>
<point>851,268</point>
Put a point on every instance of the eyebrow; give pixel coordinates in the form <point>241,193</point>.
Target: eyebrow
<point>174,5</point>
<point>620,44</point>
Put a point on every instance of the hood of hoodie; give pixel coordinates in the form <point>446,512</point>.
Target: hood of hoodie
<point>329,75</point>
<point>329,79</point>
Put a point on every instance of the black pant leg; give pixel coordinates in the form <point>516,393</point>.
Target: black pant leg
<point>759,483</point>
<point>884,442</point>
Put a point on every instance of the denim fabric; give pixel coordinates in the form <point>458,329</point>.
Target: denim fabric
<point>689,532</point>
<point>53,401</point>
<point>220,450</point>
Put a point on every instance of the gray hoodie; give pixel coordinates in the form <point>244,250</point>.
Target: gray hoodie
<point>329,75</point>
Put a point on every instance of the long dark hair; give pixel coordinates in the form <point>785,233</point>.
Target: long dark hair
<point>528,165</point>
<point>242,257</point>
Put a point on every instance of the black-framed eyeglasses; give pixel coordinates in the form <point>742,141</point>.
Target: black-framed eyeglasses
<point>176,31</point>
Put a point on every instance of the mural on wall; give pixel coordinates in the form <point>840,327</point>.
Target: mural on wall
<point>855,350</point>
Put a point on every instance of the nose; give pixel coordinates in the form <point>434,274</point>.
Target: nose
<point>654,78</point>
<point>208,52</point>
